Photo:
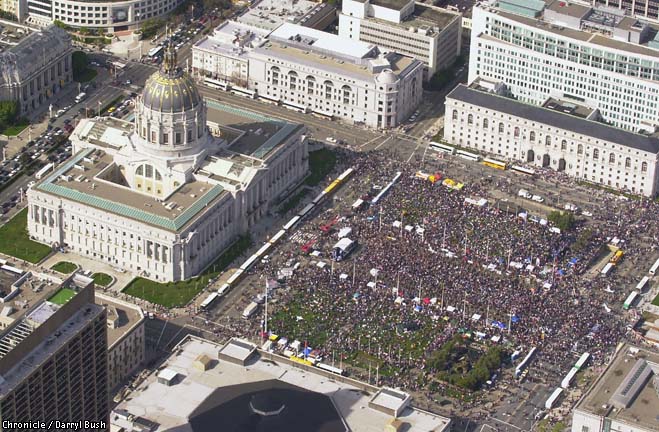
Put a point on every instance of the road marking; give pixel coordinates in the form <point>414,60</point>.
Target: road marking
<point>161,332</point>
<point>383,142</point>
<point>413,151</point>
<point>368,142</point>
<point>504,422</point>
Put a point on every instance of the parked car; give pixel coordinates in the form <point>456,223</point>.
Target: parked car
<point>537,198</point>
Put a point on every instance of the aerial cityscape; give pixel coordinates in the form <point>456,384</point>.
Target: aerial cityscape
<point>329,215</point>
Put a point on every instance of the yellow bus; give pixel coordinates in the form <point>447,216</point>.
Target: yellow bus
<point>617,257</point>
<point>493,163</point>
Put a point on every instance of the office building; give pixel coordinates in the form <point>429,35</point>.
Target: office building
<point>639,8</point>
<point>559,134</point>
<point>270,14</point>
<point>203,384</point>
<point>161,197</point>
<point>36,68</point>
<point>53,362</point>
<point>18,8</point>
<point>598,58</point>
<point>625,397</point>
<point>126,343</point>
<point>426,33</point>
<point>312,71</point>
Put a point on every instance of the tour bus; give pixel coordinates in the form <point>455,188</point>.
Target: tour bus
<point>343,248</point>
<point>629,302</point>
<point>549,403</point>
<point>206,304</point>
<point>155,52</point>
<point>468,155</point>
<point>217,84</point>
<point>330,368</point>
<point>654,267</point>
<point>523,170</point>
<point>642,284</point>
<point>250,310</point>
<point>444,148</point>
<point>607,268</point>
<point>493,163</point>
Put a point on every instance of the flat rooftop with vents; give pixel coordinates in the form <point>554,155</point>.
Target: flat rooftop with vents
<point>270,14</point>
<point>627,392</point>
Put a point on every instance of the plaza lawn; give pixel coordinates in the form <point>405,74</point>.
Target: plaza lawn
<point>176,294</point>
<point>86,76</point>
<point>15,241</point>
<point>62,296</point>
<point>14,130</point>
<point>65,267</point>
<point>656,300</point>
<point>321,163</point>
<point>102,279</point>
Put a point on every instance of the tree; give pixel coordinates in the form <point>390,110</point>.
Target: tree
<point>8,113</point>
<point>563,220</point>
<point>151,26</point>
<point>79,62</point>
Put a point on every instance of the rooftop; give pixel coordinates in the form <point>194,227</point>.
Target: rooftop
<point>389,4</point>
<point>270,14</point>
<point>122,317</point>
<point>568,108</point>
<point>555,118</point>
<point>188,404</point>
<point>643,408</point>
<point>30,292</point>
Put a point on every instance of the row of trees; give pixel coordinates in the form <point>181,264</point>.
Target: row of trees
<point>563,220</point>
<point>9,111</point>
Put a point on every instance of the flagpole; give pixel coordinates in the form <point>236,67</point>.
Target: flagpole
<point>266,307</point>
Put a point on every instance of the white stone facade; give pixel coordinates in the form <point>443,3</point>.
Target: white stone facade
<point>489,127</point>
<point>427,33</point>
<point>538,60</point>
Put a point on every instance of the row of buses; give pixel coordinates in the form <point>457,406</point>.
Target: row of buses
<point>288,226</point>
<point>474,157</point>
<point>640,287</point>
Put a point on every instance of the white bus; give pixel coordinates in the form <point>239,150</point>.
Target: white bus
<point>582,361</point>
<point>444,148</point>
<point>43,171</point>
<point>629,302</point>
<point>206,304</point>
<point>216,84</point>
<point>549,404</point>
<point>654,267</point>
<point>523,170</point>
<point>567,381</point>
<point>343,248</point>
<point>468,155</point>
<point>250,310</point>
<point>332,369</point>
<point>155,52</point>
<point>607,268</point>
<point>642,284</point>
<point>241,91</point>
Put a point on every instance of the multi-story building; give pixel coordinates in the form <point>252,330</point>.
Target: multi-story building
<point>625,397</point>
<point>270,14</point>
<point>161,197</point>
<point>126,343</point>
<point>16,7</point>
<point>37,68</point>
<point>559,134</point>
<point>310,70</point>
<point>53,362</point>
<point>111,16</point>
<point>640,8</point>
<point>426,33</point>
<point>601,59</point>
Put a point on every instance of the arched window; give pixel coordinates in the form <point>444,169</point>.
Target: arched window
<point>596,154</point>
<point>148,172</point>
<point>347,93</point>
<point>516,132</point>
<point>644,167</point>
<point>292,80</point>
<point>454,116</point>
<point>311,84</point>
<point>328,89</point>
<point>580,149</point>
<point>563,145</point>
<point>140,170</point>
<point>500,127</point>
<point>470,119</point>
<point>532,136</point>
<point>485,123</point>
<point>628,162</point>
<point>548,140</point>
<point>612,158</point>
<point>275,75</point>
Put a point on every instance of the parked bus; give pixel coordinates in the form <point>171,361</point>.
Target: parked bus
<point>208,302</point>
<point>549,404</point>
<point>43,171</point>
<point>629,302</point>
<point>582,361</point>
<point>323,115</point>
<point>443,148</point>
<point>250,310</point>
<point>241,91</point>
<point>523,170</point>
<point>295,107</point>
<point>332,369</point>
<point>216,84</point>
<point>654,267</point>
<point>81,97</point>
<point>343,248</point>
<point>617,257</point>
<point>642,284</point>
<point>468,155</point>
<point>607,268</point>
<point>155,52</point>
<point>493,163</point>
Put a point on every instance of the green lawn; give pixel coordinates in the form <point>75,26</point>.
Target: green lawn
<point>65,267</point>
<point>102,279</point>
<point>86,76</point>
<point>14,130</point>
<point>321,163</point>
<point>656,301</point>
<point>15,241</point>
<point>62,296</point>
<point>176,294</point>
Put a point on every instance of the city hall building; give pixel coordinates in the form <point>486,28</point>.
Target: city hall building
<point>161,197</point>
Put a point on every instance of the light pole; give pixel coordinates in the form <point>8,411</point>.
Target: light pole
<point>99,108</point>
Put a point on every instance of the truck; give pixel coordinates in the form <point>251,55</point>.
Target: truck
<point>524,194</point>
<point>81,97</point>
<point>250,310</point>
<point>43,171</point>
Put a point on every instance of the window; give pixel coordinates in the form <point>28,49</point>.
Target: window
<point>548,140</point>
<point>470,119</point>
<point>644,167</point>
<point>189,135</point>
<point>311,83</point>
<point>628,162</point>
<point>500,127</point>
<point>178,138</point>
<point>455,115</point>
<point>563,145</point>
<point>292,80</point>
<point>532,136</point>
<point>328,89</point>
<point>580,149</point>
<point>165,138</point>
<point>485,123</point>
<point>612,158</point>
<point>596,154</point>
<point>516,132</point>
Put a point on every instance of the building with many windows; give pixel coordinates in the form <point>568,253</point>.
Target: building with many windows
<point>625,397</point>
<point>599,58</point>
<point>560,135</point>
<point>161,197</point>
<point>426,33</point>
<point>312,71</point>
<point>36,69</point>
<point>639,8</point>
<point>53,361</point>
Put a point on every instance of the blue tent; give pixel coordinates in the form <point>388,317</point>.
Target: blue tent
<point>561,272</point>
<point>515,319</point>
<point>498,324</point>
<point>573,261</point>
<point>356,295</point>
<point>307,351</point>
<point>418,308</point>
